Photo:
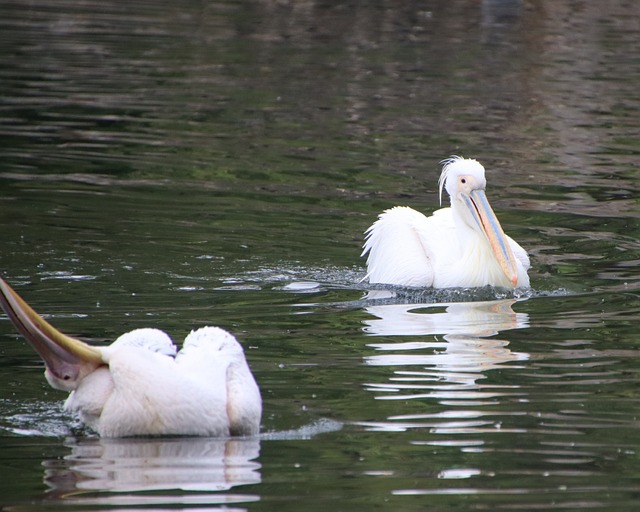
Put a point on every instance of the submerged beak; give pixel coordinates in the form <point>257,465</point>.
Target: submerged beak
<point>67,359</point>
<point>489,224</point>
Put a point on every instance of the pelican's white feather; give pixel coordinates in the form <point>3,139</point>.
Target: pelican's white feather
<point>446,165</point>
<point>207,389</point>
<point>396,250</point>
<point>460,246</point>
<point>147,338</point>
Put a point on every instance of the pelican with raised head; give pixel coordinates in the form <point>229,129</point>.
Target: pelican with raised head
<point>460,246</point>
<point>140,385</point>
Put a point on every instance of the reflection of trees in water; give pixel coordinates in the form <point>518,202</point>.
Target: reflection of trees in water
<point>403,69</point>
<point>386,84</point>
<point>446,370</point>
<point>110,74</point>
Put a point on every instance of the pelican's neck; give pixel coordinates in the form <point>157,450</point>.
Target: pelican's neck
<point>477,265</point>
<point>467,230</point>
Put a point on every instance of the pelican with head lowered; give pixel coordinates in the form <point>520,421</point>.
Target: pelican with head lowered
<point>140,385</point>
<point>460,246</point>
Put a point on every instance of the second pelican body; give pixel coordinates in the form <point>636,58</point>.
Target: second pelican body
<point>140,385</point>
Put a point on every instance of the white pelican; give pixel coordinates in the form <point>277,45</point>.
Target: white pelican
<point>139,385</point>
<point>461,246</point>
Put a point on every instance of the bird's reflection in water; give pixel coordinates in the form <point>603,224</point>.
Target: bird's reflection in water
<point>199,466</point>
<point>451,350</point>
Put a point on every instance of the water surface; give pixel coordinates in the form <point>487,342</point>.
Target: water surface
<point>217,163</point>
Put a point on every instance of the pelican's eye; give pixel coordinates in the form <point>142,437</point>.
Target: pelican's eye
<point>463,180</point>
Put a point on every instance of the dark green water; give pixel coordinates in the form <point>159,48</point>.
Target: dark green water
<point>177,165</point>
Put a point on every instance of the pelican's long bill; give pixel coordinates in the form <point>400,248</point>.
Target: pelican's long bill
<point>489,224</point>
<point>67,359</point>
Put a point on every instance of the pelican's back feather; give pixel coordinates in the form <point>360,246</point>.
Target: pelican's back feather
<point>151,339</point>
<point>395,248</point>
<point>210,339</point>
<point>212,347</point>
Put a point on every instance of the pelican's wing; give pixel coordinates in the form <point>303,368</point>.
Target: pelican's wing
<point>212,341</point>
<point>396,248</point>
<point>154,340</point>
<point>215,358</point>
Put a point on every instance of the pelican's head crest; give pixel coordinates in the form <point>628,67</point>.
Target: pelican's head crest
<point>446,163</point>
<point>454,165</point>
